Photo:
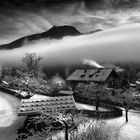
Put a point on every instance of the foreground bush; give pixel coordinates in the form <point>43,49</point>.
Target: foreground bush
<point>41,126</point>
<point>97,130</point>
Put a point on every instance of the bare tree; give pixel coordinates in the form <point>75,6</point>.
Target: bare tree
<point>42,124</point>
<point>126,98</point>
<point>32,63</point>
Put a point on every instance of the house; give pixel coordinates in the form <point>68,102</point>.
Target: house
<point>100,76</point>
<point>39,103</point>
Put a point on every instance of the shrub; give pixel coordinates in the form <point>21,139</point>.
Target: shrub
<point>97,130</point>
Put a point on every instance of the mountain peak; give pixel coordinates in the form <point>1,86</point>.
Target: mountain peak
<point>56,32</point>
<point>61,31</point>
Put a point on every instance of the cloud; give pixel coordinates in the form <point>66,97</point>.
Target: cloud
<point>114,45</point>
<point>18,23</point>
<point>23,17</point>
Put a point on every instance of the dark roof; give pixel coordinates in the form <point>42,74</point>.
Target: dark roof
<point>34,106</point>
<point>91,75</point>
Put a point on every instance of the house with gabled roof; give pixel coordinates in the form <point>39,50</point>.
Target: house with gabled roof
<point>100,75</point>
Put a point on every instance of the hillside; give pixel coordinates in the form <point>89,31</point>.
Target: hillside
<point>56,32</point>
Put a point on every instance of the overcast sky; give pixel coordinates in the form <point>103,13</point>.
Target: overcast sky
<point>19,18</point>
<point>118,42</point>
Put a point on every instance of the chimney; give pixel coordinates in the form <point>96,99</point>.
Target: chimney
<point>99,69</point>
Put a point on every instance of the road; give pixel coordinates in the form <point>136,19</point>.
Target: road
<point>127,131</point>
<point>9,122</point>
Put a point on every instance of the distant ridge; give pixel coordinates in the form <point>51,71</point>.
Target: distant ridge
<point>56,32</point>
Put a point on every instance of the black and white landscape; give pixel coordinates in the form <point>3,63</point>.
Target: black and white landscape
<point>69,70</point>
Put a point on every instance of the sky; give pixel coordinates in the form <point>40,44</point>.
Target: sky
<point>19,18</point>
<point>119,40</point>
<point>119,44</point>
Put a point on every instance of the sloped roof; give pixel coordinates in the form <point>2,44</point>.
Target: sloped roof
<point>50,104</point>
<point>91,75</point>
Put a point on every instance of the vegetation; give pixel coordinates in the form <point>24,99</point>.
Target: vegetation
<point>31,85</point>
<point>31,62</point>
<point>122,96</point>
<point>92,91</point>
<point>42,125</point>
<point>126,99</point>
<point>32,80</point>
<point>56,83</point>
<point>97,130</point>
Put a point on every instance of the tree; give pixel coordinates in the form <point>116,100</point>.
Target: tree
<point>41,125</point>
<point>126,99</point>
<point>29,80</point>
<point>31,85</point>
<point>8,71</point>
<point>94,91</point>
<point>56,84</point>
<point>32,63</point>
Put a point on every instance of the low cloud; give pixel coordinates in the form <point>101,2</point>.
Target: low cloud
<point>115,45</point>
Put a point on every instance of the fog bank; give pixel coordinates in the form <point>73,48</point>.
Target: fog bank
<point>115,45</point>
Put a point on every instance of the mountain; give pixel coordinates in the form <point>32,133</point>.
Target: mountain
<point>56,32</point>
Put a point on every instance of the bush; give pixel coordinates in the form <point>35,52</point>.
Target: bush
<point>97,130</point>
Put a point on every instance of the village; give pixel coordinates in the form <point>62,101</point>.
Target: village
<point>95,91</point>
